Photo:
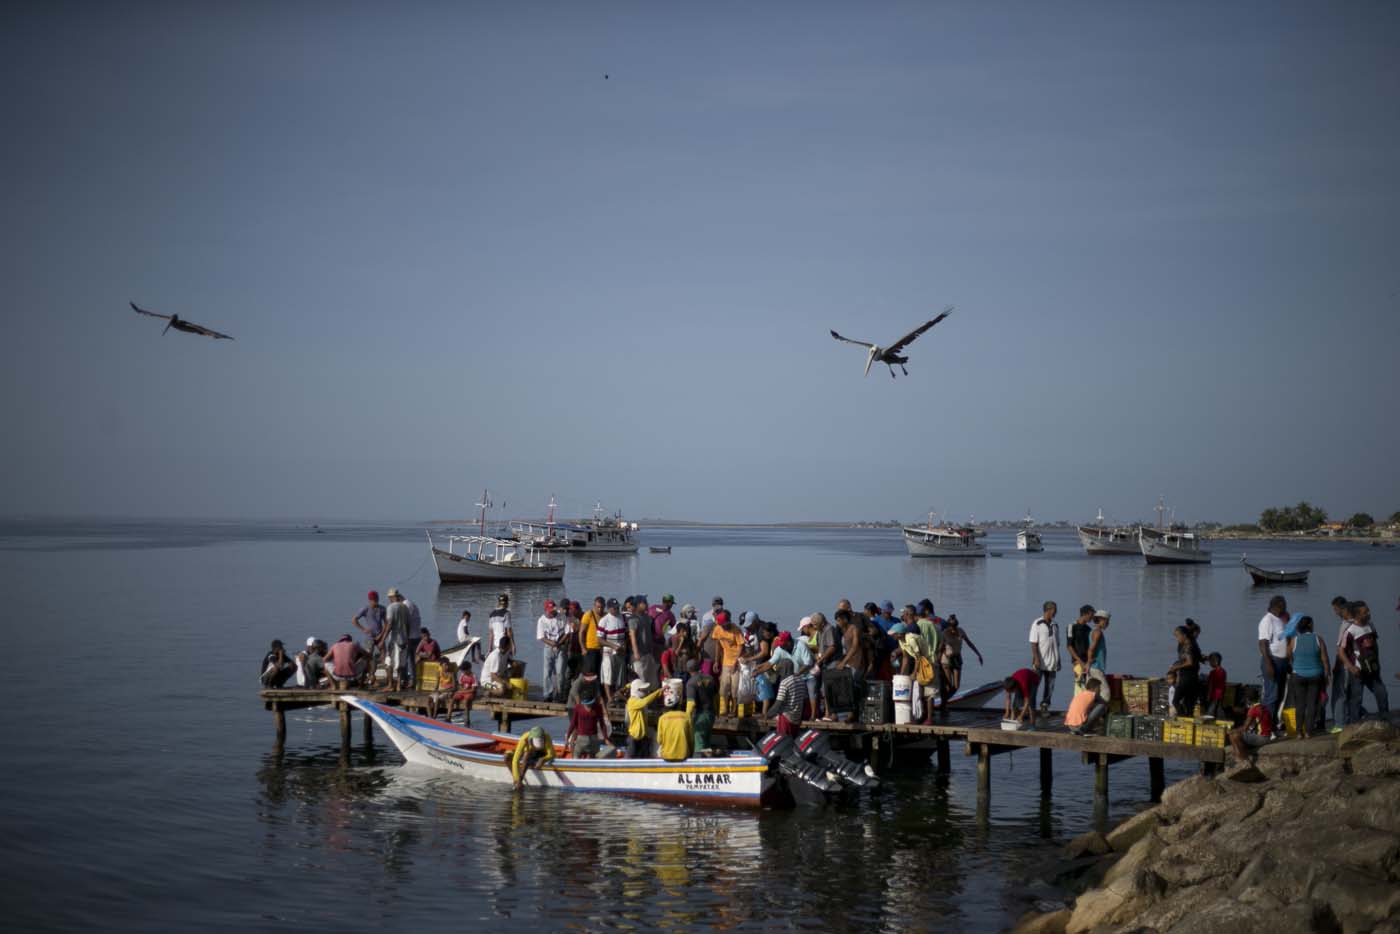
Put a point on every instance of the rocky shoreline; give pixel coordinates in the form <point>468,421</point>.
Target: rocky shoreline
<point>1305,839</point>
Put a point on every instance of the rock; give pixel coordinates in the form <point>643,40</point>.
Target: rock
<point>1376,759</point>
<point>1183,794</point>
<point>1365,733</point>
<point>1246,772</point>
<point>1322,779</point>
<point>1119,901</point>
<point>1196,861</point>
<point>1132,830</point>
<point>1138,856</point>
<point>1052,923</point>
<point>1092,843</point>
<point>1359,902</point>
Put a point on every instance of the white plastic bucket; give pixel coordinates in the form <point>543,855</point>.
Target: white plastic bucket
<point>903,711</point>
<point>903,689</point>
<point>672,692</point>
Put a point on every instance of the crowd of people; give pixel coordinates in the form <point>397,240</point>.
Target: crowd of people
<point>616,658</point>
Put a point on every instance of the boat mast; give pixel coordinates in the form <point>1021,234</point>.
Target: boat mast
<point>1161,510</point>
<point>549,523</point>
<point>1099,520</point>
<point>484,504</point>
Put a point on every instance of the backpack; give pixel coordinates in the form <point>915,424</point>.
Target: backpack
<point>923,671</point>
<point>1368,655</point>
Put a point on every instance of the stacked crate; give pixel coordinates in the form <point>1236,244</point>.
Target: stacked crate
<point>1120,725</point>
<point>1157,698</point>
<point>1137,696</point>
<point>1179,730</point>
<point>1211,734</point>
<point>1148,729</point>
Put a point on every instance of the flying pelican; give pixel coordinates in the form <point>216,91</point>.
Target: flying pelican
<point>890,355</point>
<point>177,324</point>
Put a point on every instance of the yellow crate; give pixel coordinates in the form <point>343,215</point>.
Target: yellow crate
<point>1211,734</point>
<point>519,688</point>
<point>1179,731</point>
<point>430,676</point>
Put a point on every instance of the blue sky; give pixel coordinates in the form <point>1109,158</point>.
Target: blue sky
<point>455,256</point>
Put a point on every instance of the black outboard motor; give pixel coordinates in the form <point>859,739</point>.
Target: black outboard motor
<point>805,780</point>
<point>815,746</point>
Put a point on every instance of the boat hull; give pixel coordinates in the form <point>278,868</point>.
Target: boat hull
<point>1029,541</point>
<point>1101,544</point>
<point>734,781</point>
<point>1264,577</point>
<point>457,569</point>
<point>922,545</point>
<point>1160,548</point>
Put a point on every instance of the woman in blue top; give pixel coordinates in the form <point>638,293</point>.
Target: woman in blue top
<point>1307,656</point>
<point>1098,653</point>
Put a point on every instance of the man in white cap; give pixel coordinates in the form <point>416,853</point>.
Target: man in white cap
<point>550,632</point>
<point>395,640</point>
<point>311,664</point>
<point>638,742</point>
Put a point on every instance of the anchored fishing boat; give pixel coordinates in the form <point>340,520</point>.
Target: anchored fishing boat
<point>1098,539</point>
<point>1028,539</point>
<point>1171,545</point>
<point>603,535</point>
<point>932,541</point>
<point>1262,577</point>
<point>483,558</point>
<point>737,781</point>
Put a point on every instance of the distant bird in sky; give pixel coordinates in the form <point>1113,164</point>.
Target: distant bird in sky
<point>890,355</point>
<point>179,325</point>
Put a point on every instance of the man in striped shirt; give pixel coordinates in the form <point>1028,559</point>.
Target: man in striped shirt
<point>612,634</point>
<point>791,702</point>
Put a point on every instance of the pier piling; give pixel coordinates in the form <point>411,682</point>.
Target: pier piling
<point>1047,772</point>
<point>944,764</point>
<point>1156,777</point>
<point>1101,775</point>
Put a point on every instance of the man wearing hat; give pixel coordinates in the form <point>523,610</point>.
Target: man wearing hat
<point>533,750</point>
<point>663,620</point>
<point>551,630</point>
<point>638,743</point>
<point>370,621</point>
<point>612,635</point>
<point>394,640</point>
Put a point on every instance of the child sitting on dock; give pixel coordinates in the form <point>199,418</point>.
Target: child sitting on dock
<point>442,697</point>
<point>1215,685</point>
<point>1258,729</point>
<point>465,693</point>
<point>1085,709</point>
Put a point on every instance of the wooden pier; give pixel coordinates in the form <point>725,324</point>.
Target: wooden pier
<point>978,730</point>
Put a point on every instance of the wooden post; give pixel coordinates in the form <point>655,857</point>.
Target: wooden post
<point>1156,777</point>
<point>1101,776</point>
<point>344,710</point>
<point>1047,773</point>
<point>984,769</point>
<point>874,758</point>
<point>279,720</point>
<point>944,766</point>
<point>369,730</point>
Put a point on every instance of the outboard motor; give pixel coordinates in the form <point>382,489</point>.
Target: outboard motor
<point>803,777</point>
<point>815,746</point>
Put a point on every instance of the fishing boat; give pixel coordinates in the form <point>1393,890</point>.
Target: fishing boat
<point>1171,544</point>
<point>1099,539</point>
<point>739,781</point>
<point>549,535</point>
<point>945,541</point>
<point>483,558</point>
<point>606,534</point>
<point>1028,539</point>
<point>1262,576</point>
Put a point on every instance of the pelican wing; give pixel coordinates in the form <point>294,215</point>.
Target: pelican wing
<point>907,339</point>
<point>201,329</point>
<point>141,311</point>
<point>849,341</point>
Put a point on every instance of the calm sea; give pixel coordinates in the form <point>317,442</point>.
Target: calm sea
<point>142,789</point>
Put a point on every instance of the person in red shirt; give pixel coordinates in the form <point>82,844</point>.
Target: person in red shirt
<point>1258,729</point>
<point>428,650</point>
<point>1020,689</point>
<point>1215,685</point>
<point>345,658</point>
<point>465,693</point>
<point>588,726</point>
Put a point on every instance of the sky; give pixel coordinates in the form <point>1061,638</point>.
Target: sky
<point>594,250</point>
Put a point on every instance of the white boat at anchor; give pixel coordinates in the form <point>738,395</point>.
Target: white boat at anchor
<point>946,541</point>
<point>1028,539</point>
<point>1099,539</point>
<point>471,558</point>
<point>1171,544</point>
<point>736,781</point>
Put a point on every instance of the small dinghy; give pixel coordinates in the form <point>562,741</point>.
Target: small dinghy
<point>660,549</point>
<point>1263,576</point>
